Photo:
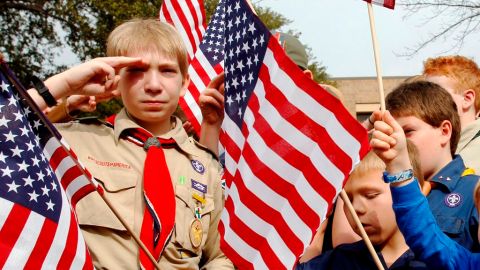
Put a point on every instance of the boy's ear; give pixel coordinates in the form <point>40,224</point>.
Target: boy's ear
<point>446,131</point>
<point>186,82</point>
<point>468,100</point>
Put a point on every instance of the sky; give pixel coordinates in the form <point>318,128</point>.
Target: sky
<point>338,32</point>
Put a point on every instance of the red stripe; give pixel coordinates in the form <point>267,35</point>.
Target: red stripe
<point>201,72</point>
<point>237,259</point>
<point>267,213</point>
<point>197,21</point>
<point>11,230</point>
<point>252,238</point>
<point>56,158</point>
<point>281,187</point>
<point>185,25</point>
<point>190,116</point>
<point>291,155</point>
<point>71,174</point>
<point>42,246</point>
<point>70,250</point>
<point>297,118</point>
<point>82,192</point>
<point>88,260</point>
<point>322,97</point>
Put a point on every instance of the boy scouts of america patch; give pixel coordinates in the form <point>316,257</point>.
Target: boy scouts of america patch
<point>453,199</point>
<point>199,186</point>
<point>197,166</point>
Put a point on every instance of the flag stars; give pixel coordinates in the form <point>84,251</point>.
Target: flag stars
<point>237,6</point>
<point>41,176</point>
<point>235,82</point>
<point>10,136</point>
<point>24,130</point>
<point>255,59</point>
<point>240,112</point>
<point>238,98</point>
<point>12,101</point>
<point>2,157</point>
<point>22,166</point>
<point>4,121</point>
<point>35,161</point>
<point>36,124</point>
<point>237,21</point>
<point>13,187</point>
<point>245,47</point>
<point>18,116</point>
<point>50,205</point>
<point>33,196</point>
<point>28,181</point>
<point>250,77</point>
<point>54,186</point>
<point>45,190</point>
<point>240,65</point>
<point>4,86</point>
<point>7,172</point>
<point>261,40</point>
<point>251,28</point>
<point>30,146</point>
<point>229,100</point>
<point>237,35</point>
<point>243,80</point>
<point>17,152</point>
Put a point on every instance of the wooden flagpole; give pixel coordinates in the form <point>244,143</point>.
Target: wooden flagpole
<point>376,54</point>
<point>24,94</point>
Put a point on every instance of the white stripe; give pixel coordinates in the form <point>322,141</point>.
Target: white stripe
<point>205,64</point>
<point>262,227</point>
<point>276,163</point>
<point>25,243</point>
<point>59,241</point>
<point>191,23</point>
<point>298,140</point>
<point>195,79</point>
<point>312,108</point>
<point>75,186</point>
<point>243,249</point>
<point>201,19</point>
<point>80,255</point>
<point>50,147</point>
<point>179,26</point>
<point>192,104</point>
<point>5,208</point>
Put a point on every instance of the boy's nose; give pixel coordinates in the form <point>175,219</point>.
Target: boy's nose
<point>359,206</point>
<point>153,82</point>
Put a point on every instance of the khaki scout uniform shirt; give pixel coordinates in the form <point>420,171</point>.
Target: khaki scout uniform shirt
<point>469,147</point>
<point>118,165</point>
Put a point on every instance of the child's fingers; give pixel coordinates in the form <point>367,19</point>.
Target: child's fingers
<point>217,81</point>
<point>388,118</point>
<point>378,144</point>
<point>384,137</point>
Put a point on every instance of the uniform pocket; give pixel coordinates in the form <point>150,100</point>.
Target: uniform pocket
<point>452,226</point>
<point>120,189</point>
<point>185,216</point>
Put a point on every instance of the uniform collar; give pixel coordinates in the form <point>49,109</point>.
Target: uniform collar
<point>467,134</point>
<point>123,122</point>
<point>450,174</point>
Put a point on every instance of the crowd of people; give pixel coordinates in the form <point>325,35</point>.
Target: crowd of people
<point>425,153</point>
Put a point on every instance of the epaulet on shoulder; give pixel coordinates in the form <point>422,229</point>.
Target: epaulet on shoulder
<point>204,148</point>
<point>90,120</point>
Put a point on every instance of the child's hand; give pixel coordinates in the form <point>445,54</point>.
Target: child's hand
<point>389,142</point>
<point>212,101</point>
<point>92,78</point>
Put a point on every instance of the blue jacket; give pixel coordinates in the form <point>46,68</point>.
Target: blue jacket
<point>423,235</point>
<point>452,205</point>
<point>355,256</point>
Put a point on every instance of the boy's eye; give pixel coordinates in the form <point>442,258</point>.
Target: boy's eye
<point>371,195</point>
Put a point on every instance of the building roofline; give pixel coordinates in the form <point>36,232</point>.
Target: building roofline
<point>369,78</point>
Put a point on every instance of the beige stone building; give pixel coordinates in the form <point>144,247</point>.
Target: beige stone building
<point>360,94</point>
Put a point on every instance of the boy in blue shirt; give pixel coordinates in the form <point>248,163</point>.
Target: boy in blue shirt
<point>414,217</point>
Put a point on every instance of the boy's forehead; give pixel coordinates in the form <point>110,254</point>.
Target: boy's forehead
<point>370,180</point>
<point>153,56</point>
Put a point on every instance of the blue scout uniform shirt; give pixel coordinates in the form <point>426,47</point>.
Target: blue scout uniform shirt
<point>423,235</point>
<point>356,256</point>
<point>452,204</point>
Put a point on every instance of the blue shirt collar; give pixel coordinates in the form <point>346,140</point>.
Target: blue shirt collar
<point>449,175</point>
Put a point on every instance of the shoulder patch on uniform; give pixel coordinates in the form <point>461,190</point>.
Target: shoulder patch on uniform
<point>204,148</point>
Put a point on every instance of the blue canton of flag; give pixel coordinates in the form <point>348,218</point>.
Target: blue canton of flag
<point>212,44</point>
<point>38,228</point>
<point>289,146</point>
<point>27,178</point>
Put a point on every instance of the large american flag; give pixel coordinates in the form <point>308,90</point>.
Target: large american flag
<point>38,228</point>
<point>188,17</point>
<point>289,144</point>
<point>386,3</point>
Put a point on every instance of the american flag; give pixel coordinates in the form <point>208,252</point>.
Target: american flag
<point>289,144</point>
<point>38,228</point>
<point>386,3</point>
<point>188,17</point>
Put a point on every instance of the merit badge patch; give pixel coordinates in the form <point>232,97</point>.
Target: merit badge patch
<point>199,186</point>
<point>453,199</point>
<point>197,166</point>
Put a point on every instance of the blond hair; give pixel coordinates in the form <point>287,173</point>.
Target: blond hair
<point>145,35</point>
<point>369,163</point>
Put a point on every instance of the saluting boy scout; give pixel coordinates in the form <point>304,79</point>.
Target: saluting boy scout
<point>162,182</point>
